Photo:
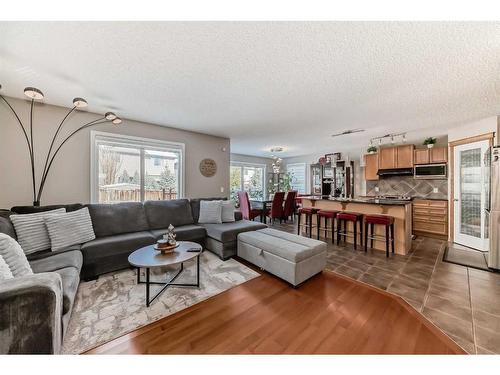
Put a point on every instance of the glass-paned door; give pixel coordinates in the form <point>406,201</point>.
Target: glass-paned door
<point>470,195</point>
<point>249,178</point>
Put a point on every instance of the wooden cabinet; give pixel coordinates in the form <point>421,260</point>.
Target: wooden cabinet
<point>387,158</point>
<point>430,217</point>
<point>396,157</point>
<point>371,167</point>
<point>431,155</point>
<point>421,156</point>
<point>438,155</point>
<point>404,156</point>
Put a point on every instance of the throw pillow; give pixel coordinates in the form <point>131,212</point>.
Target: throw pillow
<point>5,272</point>
<point>227,211</point>
<point>69,228</point>
<point>210,212</point>
<point>31,230</point>
<point>14,256</point>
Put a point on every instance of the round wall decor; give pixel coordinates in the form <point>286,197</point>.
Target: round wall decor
<point>208,167</point>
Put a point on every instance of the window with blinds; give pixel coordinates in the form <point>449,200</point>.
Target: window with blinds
<point>298,173</point>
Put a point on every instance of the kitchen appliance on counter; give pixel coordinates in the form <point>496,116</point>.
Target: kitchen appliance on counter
<point>430,171</point>
<point>492,180</point>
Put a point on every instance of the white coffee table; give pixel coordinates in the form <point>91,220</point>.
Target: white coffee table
<point>147,257</point>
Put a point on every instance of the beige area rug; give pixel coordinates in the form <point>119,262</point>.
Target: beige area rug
<point>114,304</point>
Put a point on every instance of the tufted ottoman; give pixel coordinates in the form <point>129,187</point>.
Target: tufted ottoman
<point>288,256</point>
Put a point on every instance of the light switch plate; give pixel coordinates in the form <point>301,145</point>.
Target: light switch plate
<point>377,189</point>
<point>222,189</point>
<point>434,190</point>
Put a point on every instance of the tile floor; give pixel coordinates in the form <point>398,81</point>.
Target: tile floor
<point>463,302</point>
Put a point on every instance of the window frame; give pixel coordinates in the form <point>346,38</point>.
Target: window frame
<point>301,165</point>
<point>142,143</point>
<point>242,165</point>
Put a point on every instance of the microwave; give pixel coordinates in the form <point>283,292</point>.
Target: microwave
<point>430,171</point>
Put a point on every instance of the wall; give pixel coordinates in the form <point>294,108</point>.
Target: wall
<point>471,129</point>
<point>407,185</point>
<point>69,178</point>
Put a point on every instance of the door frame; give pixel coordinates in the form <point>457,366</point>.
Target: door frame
<point>451,151</point>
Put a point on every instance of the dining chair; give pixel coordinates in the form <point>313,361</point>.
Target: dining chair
<point>276,211</point>
<point>247,211</point>
<point>289,206</point>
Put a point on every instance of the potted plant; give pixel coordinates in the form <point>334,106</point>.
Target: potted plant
<point>430,142</point>
<point>371,150</point>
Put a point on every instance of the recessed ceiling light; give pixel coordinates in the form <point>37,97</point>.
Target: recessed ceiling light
<point>277,149</point>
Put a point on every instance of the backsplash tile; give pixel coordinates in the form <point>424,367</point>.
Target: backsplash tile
<point>405,185</point>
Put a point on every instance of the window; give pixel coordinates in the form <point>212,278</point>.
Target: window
<point>132,169</point>
<point>297,173</point>
<point>247,177</point>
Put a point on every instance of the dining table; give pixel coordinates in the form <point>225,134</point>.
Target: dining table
<point>262,204</point>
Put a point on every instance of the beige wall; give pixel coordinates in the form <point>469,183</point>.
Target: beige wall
<point>69,179</point>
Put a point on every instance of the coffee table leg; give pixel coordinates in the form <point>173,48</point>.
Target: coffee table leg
<point>147,287</point>
<point>138,275</point>
<point>198,271</point>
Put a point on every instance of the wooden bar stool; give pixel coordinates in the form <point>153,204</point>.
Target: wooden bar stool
<point>354,217</point>
<point>385,220</point>
<point>308,212</point>
<point>327,215</point>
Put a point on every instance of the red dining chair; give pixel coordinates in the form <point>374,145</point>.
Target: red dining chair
<point>277,206</point>
<point>289,207</point>
<point>247,211</point>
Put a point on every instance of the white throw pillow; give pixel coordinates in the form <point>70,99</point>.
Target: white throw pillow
<point>31,230</point>
<point>69,228</point>
<point>228,211</point>
<point>210,212</point>
<point>5,272</point>
<point>14,256</point>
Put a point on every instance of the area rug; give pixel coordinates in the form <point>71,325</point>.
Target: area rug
<point>114,304</point>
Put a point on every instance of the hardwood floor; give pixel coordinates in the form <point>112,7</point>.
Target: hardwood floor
<point>329,314</point>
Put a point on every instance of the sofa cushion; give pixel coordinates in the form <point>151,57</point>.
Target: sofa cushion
<point>118,218</point>
<point>6,225</point>
<point>49,253</point>
<point>195,206</point>
<point>184,232</point>
<point>161,214</point>
<point>70,277</point>
<point>227,232</point>
<point>57,261</point>
<point>285,245</point>
<point>13,255</point>
<point>35,209</point>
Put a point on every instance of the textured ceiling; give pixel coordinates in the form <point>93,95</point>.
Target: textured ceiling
<point>265,84</point>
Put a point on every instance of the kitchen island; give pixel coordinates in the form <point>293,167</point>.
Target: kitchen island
<point>401,210</point>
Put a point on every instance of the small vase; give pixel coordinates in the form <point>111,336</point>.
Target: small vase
<point>430,145</point>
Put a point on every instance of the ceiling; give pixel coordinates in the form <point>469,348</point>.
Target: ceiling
<point>265,84</point>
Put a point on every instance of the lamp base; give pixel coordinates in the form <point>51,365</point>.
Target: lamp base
<point>36,203</point>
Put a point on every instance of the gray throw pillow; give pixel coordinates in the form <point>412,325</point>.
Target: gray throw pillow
<point>31,230</point>
<point>5,272</point>
<point>13,255</point>
<point>69,228</point>
<point>227,211</point>
<point>210,212</point>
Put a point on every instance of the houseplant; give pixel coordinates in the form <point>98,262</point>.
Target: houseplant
<point>371,150</point>
<point>430,142</point>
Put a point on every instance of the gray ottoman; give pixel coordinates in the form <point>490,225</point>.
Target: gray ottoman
<point>288,256</point>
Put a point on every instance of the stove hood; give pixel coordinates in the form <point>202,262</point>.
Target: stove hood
<point>395,172</point>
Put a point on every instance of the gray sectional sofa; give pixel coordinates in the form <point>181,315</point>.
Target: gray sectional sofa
<point>35,310</point>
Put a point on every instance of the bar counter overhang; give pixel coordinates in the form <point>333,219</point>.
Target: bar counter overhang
<point>399,209</point>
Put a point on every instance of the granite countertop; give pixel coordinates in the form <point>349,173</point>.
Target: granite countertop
<point>390,202</point>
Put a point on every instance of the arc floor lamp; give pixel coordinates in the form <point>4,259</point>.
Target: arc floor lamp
<point>35,94</point>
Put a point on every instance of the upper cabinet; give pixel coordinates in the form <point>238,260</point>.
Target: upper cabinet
<point>371,167</point>
<point>387,158</point>
<point>404,157</point>
<point>431,155</point>
<point>396,157</point>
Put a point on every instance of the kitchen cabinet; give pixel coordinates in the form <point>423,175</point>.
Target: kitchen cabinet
<point>371,167</point>
<point>421,156</point>
<point>438,155</point>
<point>387,158</point>
<point>404,156</point>
<point>430,217</point>
<point>433,155</point>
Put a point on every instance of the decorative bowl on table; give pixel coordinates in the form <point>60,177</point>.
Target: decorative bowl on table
<point>165,247</point>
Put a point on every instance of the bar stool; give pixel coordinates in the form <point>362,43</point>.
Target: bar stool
<point>385,220</point>
<point>327,214</point>
<point>308,212</point>
<point>354,217</point>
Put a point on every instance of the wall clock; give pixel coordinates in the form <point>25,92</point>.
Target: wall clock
<point>208,167</point>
